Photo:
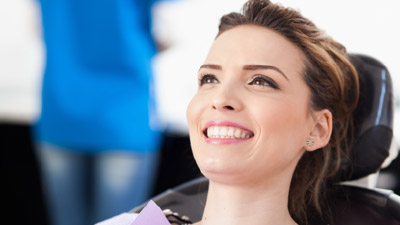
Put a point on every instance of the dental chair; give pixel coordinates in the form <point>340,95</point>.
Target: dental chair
<point>355,203</point>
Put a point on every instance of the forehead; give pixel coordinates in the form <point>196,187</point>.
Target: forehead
<point>251,44</point>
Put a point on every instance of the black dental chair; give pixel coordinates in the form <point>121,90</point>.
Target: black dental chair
<point>353,205</point>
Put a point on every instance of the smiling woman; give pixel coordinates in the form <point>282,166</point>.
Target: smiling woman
<point>272,117</point>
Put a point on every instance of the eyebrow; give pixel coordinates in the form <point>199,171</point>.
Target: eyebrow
<point>248,67</point>
<point>265,67</point>
<point>211,66</point>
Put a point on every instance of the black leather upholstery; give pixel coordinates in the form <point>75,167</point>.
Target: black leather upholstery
<point>373,120</point>
<point>361,206</point>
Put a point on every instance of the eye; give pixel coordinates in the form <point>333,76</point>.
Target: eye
<point>208,79</point>
<point>264,81</point>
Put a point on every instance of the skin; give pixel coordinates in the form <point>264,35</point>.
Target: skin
<point>250,178</point>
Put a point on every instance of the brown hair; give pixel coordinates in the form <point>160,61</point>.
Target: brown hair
<point>333,82</point>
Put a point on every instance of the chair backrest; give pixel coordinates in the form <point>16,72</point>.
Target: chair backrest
<point>362,206</point>
<point>373,136</point>
<point>373,119</point>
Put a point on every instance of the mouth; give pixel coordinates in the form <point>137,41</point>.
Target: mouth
<point>226,130</point>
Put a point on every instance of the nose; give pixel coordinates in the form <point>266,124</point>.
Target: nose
<point>226,99</point>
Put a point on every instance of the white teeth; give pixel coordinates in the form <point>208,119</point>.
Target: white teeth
<point>227,132</point>
<point>237,133</point>
<point>223,131</point>
<point>215,131</point>
<point>230,131</point>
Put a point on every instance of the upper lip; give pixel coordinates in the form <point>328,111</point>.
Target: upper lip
<point>224,123</point>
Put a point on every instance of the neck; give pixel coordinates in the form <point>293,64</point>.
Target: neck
<point>250,204</point>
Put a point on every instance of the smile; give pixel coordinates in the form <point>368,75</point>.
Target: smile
<point>226,130</point>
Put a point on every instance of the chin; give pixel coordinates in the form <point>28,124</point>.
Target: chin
<point>223,171</point>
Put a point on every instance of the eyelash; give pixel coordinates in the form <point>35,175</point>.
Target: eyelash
<point>203,79</point>
<point>269,82</point>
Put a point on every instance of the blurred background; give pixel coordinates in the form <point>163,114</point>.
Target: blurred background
<point>184,30</point>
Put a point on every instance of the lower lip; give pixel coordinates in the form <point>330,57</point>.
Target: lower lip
<point>222,141</point>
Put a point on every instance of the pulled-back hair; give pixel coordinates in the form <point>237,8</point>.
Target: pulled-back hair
<point>333,82</point>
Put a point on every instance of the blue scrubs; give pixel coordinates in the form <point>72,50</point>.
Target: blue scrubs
<point>95,145</point>
<point>95,94</point>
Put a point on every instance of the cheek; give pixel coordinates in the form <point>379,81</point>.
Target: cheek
<point>280,142</point>
<point>283,126</point>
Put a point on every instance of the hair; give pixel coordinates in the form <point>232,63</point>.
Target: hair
<point>333,83</point>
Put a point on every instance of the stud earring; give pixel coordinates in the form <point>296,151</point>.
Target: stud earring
<point>309,143</point>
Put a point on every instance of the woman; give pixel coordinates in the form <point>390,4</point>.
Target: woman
<point>271,120</point>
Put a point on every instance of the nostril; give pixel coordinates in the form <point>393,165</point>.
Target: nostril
<point>223,107</point>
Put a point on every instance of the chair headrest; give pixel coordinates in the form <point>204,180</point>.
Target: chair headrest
<point>373,119</point>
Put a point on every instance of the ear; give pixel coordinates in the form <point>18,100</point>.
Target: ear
<point>321,131</point>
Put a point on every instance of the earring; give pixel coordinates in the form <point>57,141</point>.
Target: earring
<point>309,142</point>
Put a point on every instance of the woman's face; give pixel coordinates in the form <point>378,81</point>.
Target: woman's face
<point>250,117</point>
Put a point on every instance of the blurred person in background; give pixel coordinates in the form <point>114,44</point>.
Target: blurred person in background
<point>97,137</point>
